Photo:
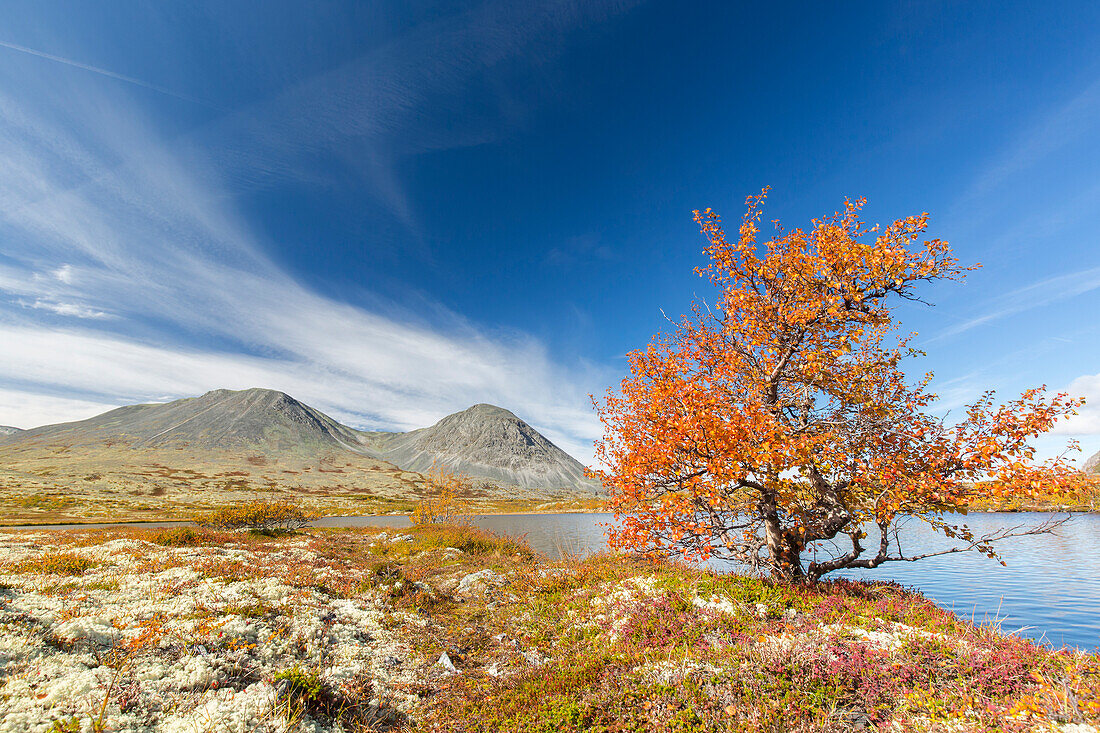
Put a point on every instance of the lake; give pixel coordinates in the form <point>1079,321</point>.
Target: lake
<point>1050,590</point>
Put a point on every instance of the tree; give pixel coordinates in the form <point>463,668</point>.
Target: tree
<point>444,498</point>
<point>781,421</point>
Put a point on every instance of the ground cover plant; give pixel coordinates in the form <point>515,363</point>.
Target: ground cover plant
<point>443,628</point>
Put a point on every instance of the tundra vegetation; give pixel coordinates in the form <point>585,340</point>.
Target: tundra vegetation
<point>266,516</point>
<point>47,484</point>
<point>778,424</point>
<point>445,628</point>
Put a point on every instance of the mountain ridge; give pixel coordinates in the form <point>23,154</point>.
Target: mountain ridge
<point>219,418</point>
<point>487,441</point>
<point>483,441</point>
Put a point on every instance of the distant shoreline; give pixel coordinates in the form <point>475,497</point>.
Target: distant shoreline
<point>186,522</point>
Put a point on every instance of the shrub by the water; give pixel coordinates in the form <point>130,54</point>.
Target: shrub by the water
<point>261,515</point>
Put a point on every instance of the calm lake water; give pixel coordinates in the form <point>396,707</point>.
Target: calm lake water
<point>1050,590</point>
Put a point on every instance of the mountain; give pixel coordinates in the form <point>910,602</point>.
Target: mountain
<point>8,430</point>
<point>261,419</point>
<point>1092,465</point>
<point>227,447</point>
<point>485,441</point>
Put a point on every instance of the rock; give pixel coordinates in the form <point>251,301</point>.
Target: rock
<point>446,663</point>
<point>486,577</point>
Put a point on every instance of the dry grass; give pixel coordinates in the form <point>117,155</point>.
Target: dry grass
<point>50,485</point>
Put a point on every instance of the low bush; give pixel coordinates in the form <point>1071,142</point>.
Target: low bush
<point>59,563</point>
<point>470,540</point>
<point>260,515</point>
<point>177,537</point>
<point>446,498</point>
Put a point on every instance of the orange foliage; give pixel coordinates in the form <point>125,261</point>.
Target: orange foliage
<point>782,417</point>
<point>443,501</point>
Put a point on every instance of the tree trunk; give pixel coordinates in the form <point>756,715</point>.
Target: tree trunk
<point>783,555</point>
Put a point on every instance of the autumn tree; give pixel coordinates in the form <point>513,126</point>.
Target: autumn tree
<point>779,420</point>
<point>445,497</point>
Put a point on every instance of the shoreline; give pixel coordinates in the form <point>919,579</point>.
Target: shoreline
<point>94,524</point>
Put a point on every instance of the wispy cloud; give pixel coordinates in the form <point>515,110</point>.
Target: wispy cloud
<point>1052,131</point>
<point>112,220</point>
<point>104,72</point>
<point>1044,292</point>
<point>74,310</point>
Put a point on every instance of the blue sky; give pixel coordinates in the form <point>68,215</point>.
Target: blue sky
<point>395,210</point>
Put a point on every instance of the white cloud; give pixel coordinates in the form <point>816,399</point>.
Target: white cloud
<point>30,409</point>
<point>68,309</point>
<point>1087,421</point>
<point>138,238</point>
<point>64,274</point>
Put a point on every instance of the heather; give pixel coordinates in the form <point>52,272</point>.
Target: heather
<point>440,628</point>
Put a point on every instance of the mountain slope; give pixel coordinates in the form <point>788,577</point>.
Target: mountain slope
<point>225,447</point>
<point>6,430</point>
<point>262,419</point>
<point>485,441</point>
<point>1092,465</point>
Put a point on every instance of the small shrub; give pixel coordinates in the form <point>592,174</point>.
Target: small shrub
<point>177,537</point>
<point>59,563</point>
<point>261,515</point>
<point>304,685</point>
<point>471,540</point>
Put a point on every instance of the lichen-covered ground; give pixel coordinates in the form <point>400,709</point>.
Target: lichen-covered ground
<point>451,629</point>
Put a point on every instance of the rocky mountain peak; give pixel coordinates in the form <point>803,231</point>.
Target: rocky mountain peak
<point>1092,465</point>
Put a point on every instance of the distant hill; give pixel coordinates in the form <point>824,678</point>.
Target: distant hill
<point>261,419</point>
<point>8,430</point>
<point>1092,465</point>
<point>486,441</point>
<point>483,441</point>
<point>166,460</point>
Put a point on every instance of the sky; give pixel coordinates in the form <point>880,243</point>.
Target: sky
<point>394,210</point>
